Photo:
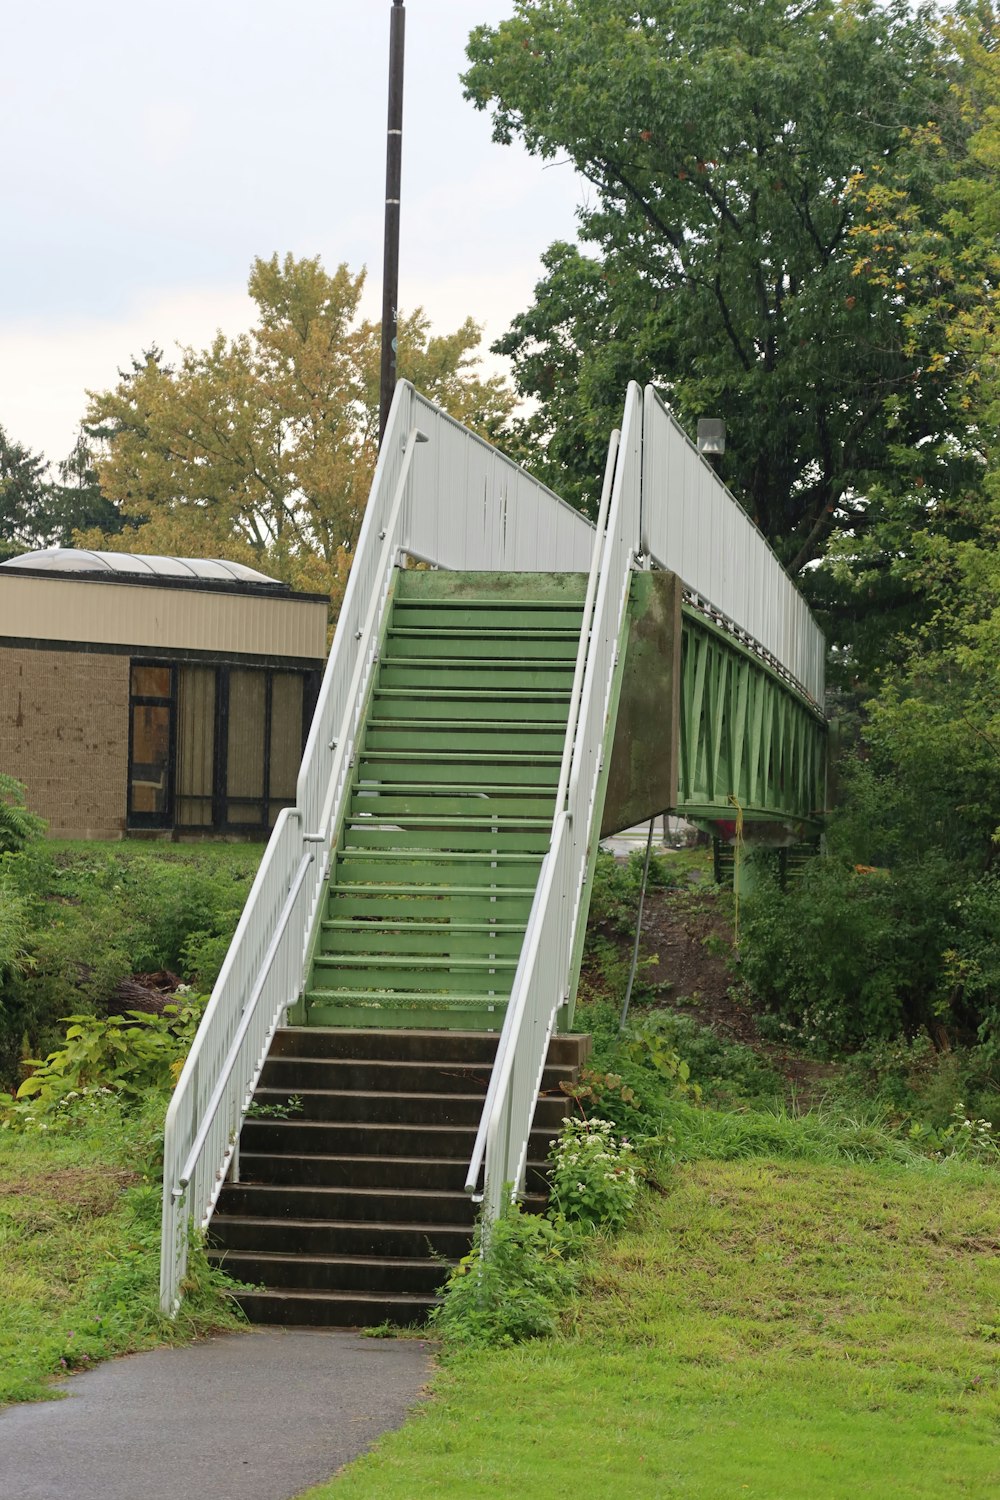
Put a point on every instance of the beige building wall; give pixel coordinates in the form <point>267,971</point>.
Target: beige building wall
<point>64,733</point>
<point>142,617</point>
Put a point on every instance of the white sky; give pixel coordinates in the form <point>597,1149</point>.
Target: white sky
<point>151,151</point>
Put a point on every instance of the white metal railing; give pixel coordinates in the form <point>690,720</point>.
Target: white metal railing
<point>440,493</point>
<point>260,977</point>
<point>694,527</point>
<point>540,981</point>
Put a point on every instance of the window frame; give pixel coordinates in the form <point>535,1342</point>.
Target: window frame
<point>165,818</point>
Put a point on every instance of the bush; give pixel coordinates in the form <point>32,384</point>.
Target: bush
<point>919,1084</point>
<point>844,957</point>
<point>18,826</point>
<point>512,1286</point>
<point>76,923</point>
<point>593,1175</point>
<point>131,1056</point>
<point>615,894</point>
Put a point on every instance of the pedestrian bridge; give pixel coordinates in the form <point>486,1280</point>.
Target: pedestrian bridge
<point>507,684</point>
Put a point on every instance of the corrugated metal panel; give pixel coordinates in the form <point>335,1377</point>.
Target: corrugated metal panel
<point>469,507</point>
<point>149,618</point>
<point>692,526</point>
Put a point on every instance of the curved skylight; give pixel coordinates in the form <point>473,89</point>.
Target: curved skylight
<point>133,564</point>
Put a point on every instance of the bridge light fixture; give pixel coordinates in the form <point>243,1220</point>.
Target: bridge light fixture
<point>711,436</point>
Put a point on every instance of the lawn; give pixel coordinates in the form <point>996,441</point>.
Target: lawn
<point>79,1251</point>
<point>80,1195</point>
<point>770,1329</point>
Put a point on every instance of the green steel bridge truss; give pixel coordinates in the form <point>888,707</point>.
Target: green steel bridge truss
<point>748,742</point>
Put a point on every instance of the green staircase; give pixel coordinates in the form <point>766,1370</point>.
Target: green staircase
<point>451,805</point>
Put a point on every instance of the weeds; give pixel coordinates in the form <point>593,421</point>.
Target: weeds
<point>512,1286</point>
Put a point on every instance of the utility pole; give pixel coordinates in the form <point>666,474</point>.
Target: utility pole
<point>393,172</point>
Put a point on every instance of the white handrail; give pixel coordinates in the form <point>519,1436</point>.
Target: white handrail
<point>497,1093</point>
<point>593,580</point>
<point>229,1066</point>
<point>225,1061</point>
<point>539,987</point>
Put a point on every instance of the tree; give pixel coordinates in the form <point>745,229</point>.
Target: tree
<point>927,232</point>
<point>23,498</point>
<point>75,503</point>
<point>262,448</point>
<point>722,144</point>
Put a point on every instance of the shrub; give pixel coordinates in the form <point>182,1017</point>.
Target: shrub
<point>18,826</point>
<point>511,1286</point>
<point>725,1072</point>
<point>131,1056</point>
<point>615,893</point>
<point>77,922</point>
<point>843,957</point>
<point>593,1174</point>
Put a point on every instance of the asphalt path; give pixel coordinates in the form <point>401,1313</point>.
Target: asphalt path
<point>246,1416</point>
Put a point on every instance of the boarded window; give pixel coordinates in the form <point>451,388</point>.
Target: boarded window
<point>245,750</point>
<point>195,747</point>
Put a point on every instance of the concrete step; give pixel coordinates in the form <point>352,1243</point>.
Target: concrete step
<point>399,1109</point>
<point>413,1275</point>
<point>398,1205</point>
<point>390,1075</point>
<point>334,1309</point>
<point>418,1045</point>
<point>256,1233</point>
<point>371,1138</point>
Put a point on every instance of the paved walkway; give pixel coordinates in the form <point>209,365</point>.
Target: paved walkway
<point>247,1416</point>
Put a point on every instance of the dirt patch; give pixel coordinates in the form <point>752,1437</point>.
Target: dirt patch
<point>90,1193</point>
<point>687,945</point>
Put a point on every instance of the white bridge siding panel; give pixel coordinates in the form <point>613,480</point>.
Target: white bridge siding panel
<point>472,509</point>
<point>694,527</point>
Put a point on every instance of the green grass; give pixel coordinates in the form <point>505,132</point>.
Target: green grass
<point>209,853</point>
<point>773,1329</point>
<point>79,1253</point>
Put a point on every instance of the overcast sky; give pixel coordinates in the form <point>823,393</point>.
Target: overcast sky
<point>151,151</point>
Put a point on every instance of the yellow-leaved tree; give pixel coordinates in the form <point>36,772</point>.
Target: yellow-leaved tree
<point>261,448</point>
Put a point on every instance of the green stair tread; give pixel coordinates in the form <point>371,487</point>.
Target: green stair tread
<point>502,821</point>
<point>410,889</point>
<point>414,961</point>
<point>475,757</point>
<point>451,856</point>
<point>533,726</point>
<point>444,926</point>
<point>486,694</point>
<point>418,999</point>
<point>463,789</point>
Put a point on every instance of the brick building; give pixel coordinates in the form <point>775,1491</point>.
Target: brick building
<point>154,693</point>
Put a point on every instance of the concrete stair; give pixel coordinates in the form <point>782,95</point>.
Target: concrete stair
<point>351,1211</point>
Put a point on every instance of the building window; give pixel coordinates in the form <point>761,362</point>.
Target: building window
<point>196,695</point>
<point>215,748</point>
<point>152,701</point>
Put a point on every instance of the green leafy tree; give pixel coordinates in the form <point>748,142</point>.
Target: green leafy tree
<point>721,144</point>
<point>76,502</point>
<point>23,498</point>
<point>262,448</point>
<point>928,232</point>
